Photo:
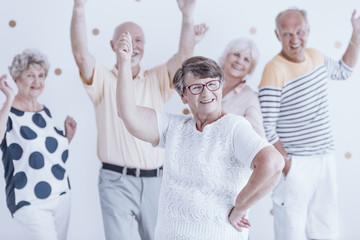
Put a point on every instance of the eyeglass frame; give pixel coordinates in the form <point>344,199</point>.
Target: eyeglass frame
<point>203,87</point>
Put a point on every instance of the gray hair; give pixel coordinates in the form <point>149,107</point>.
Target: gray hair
<point>124,27</point>
<point>199,67</point>
<point>301,11</point>
<point>25,60</point>
<point>241,45</point>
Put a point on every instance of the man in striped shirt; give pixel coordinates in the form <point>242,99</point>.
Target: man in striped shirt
<point>294,102</point>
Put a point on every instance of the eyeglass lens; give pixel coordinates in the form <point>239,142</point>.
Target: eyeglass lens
<point>198,88</point>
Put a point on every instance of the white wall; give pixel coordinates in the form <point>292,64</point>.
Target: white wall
<point>45,24</point>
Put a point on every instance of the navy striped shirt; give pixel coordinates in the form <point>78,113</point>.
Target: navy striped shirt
<point>294,102</point>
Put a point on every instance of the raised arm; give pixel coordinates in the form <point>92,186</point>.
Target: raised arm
<point>187,37</point>
<point>84,60</point>
<point>267,166</point>
<point>5,110</point>
<point>141,122</point>
<point>351,54</point>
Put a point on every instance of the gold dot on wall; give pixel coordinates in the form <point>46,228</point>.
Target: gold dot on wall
<point>338,44</point>
<point>58,71</point>
<point>95,31</point>
<point>252,30</point>
<point>186,111</point>
<point>271,212</point>
<point>348,155</point>
<point>12,23</point>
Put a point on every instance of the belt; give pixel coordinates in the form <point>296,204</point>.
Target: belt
<point>136,172</point>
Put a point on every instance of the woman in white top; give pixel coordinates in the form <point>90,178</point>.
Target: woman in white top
<point>216,166</point>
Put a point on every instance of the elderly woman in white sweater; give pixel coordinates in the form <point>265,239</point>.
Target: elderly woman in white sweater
<point>216,166</point>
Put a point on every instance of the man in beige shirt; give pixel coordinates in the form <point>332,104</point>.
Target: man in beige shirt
<point>130,176</point>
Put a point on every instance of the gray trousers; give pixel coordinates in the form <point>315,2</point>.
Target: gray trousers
<point>129,205</point>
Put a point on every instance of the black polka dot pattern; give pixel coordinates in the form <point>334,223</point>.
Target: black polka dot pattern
<point>21,204</point>
<point>34,147</point>
<point>58,171</point>
<point>9,125</point>
<point>65,155</point>
<point>68,182</point>
<point>36,160</point>
<point>51,144</point>
<point>42,190</point>
<point>20,180</point>
<point>27,133</point>
<point>39,120</point>
<point>17,112</point>
<point>59,132</point>
<point>47,112</point>
<point>15,151</point>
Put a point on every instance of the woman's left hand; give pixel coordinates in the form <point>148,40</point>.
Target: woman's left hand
<point>70,128</point>
<point>238,220</point>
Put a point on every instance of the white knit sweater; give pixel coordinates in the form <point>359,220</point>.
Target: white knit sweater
<point>203,174</point>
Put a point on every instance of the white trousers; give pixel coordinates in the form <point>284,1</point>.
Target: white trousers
<point>48,220</point>
<point>305,201</point>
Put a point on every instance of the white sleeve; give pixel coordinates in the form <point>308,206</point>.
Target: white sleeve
<point>247,143</point>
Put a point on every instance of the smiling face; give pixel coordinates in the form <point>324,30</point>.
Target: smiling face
<point>207,102</point>
<point>237,64</point>
<point>292,32</point>
<point>138,40</point>
<point>31,82</point>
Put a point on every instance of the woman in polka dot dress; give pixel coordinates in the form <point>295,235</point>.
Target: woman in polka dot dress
<point>34,152</point>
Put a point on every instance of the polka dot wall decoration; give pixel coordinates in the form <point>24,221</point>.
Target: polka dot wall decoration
<point>186,111</point>
<point>58,71</point>
<point>252,30</point>
<point>95,31</point>
<point>12,23</point>
<point>348,155</point>
<point>338,44</point>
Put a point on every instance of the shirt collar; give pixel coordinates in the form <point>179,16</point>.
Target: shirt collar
<point>239,87</point>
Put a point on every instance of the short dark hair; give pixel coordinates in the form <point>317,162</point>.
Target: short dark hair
<point>200,67</point>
